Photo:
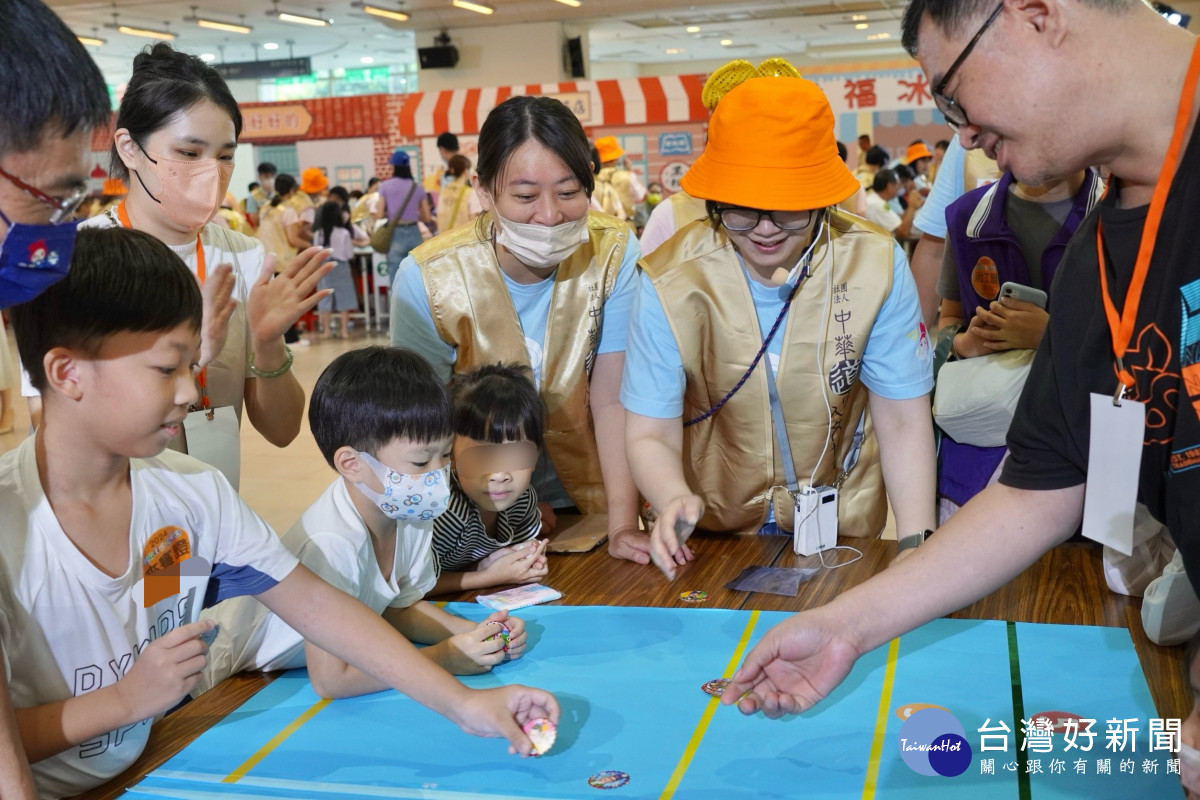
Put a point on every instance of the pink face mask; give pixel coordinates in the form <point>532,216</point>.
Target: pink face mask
<point>191,191</point>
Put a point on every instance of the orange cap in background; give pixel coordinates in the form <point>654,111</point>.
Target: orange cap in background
<point>608,148</point>
<point>313,180</point>
<point>771,146</point>
<point>915,151</point>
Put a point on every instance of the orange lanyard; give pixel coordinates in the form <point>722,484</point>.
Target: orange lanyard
<point>1121,326</point>
<point>202,378</point>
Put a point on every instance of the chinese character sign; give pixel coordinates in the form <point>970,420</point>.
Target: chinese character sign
<point>884,90</point>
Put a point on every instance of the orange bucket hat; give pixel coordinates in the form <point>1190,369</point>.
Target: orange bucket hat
<point>608,148</point>
<point>771,146</point>
<point>915,151</point>
<point>313,180</point>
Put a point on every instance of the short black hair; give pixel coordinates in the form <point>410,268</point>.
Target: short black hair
<point>341,194</point>
<point>953,16</point>
<point>904,172</point>
<point>267,168</point>
<point>842,151</point>
<point>367,397</point>
<point>876,156</point>
<point>254,185</point>
<point>402,171</point>
<point>498,403</point>
<point>543,119</point>
<point>51,83</point>
<point>372,182</point>
<point>121,280</point>
<point>882,178</point>
<point>447,141</point>
<point>941,144</point>
<point>166,83</point>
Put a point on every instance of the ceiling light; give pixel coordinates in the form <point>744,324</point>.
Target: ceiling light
<point>299,19</point>
<point>146,33</point>
<point>877,36</point>
<point>726,42</point>
<point>858,17</point>
<point>571,3</point>
<point>270,46</point>
<point>212,24</point>
<point>386,13</point>
<point>207,57</point>
<point>91,41</point>
<point>692,29</point>
<point>367,60</point>
<point>674,51</point>
<point>478,8</point>
<point>862,26</point>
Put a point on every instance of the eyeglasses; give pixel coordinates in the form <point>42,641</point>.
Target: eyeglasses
<point>951,110</point>
<point>739,219</point>
<point>64,209</point>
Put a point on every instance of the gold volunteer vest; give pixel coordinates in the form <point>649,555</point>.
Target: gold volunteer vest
<point>622,181</point>
<point>271,233</point>
<point>686,208</point>
<point>732,459</point>
<point>978,170</point>
<point>473,312</point>
<point>452,209</point>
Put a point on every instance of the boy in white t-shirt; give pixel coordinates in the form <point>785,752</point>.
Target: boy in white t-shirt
<point>381,417</point>
<point>109,547</point>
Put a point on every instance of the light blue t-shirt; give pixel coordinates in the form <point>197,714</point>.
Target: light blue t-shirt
<point>896,362</point>
<point>412,327</point>
<point>948,187</point>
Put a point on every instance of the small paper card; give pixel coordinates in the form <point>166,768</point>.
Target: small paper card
<point>1114,460</point>
<point>773,580</point>
<point>519,597</point>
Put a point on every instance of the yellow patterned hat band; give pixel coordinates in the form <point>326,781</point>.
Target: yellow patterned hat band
<point>737,72</point>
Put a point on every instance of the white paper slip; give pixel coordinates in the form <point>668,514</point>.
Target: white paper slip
<point>1114,461</point>
<point>216,441</point>
<point>519,597</point>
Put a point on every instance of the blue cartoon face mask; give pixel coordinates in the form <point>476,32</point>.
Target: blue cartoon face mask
<point>33,258</point>
<point>409,498</point>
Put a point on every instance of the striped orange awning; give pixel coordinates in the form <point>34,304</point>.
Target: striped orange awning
<point>625,101</point>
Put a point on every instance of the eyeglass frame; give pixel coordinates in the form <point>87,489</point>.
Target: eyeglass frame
<point>720,212</point>
<point>63,208</point>
<point>944,102</point>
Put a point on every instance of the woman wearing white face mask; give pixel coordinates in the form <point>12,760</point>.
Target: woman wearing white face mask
<point>176,132</point>
<point>538,280</point>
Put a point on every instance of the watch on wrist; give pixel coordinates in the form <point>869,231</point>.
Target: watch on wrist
<point>912,540</point>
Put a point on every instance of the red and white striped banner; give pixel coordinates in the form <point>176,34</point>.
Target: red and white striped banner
<point>625,101</point>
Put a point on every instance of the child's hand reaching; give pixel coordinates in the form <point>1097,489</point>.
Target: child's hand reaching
<point>517,637</point>
<point>520,563</point>
<point>165,671</point>
<point>501,712</point>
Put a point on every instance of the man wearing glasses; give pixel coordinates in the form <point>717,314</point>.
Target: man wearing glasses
<point>53,97</point>
<point>772,327</point>
<point>1047,88</point>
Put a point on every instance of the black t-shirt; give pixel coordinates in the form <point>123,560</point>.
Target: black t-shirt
<point>1048,440</point>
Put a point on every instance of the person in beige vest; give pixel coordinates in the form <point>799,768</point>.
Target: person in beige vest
<point>540,281</point>
<point>627,188</point>
<point>458,204</point>
<point>776,288</point>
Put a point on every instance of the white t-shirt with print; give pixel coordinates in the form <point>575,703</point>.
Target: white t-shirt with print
<point>332,540</point>
<point>68,628</point>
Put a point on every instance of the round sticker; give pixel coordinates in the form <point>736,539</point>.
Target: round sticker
<point>716,687</point>
<point>608,779</point>
<point>541,733</point>
<point>694,596</point>
<point>985,279</point>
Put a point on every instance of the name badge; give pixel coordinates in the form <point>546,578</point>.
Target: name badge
<point>1114,461</point>
<point>212,437</point>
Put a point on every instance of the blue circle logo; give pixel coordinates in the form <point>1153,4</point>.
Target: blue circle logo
<point>933,742</point>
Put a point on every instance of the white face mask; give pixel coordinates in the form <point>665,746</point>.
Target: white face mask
<point>1189,768</point>
<point>411,498</point>
<point>540,246</point>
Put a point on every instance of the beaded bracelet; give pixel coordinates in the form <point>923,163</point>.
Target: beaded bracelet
<point>275,373</point>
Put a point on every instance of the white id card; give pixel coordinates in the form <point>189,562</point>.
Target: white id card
<point>216,441</point>
<point>1114,460</point>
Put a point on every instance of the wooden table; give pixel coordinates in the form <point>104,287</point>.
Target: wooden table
<point>1065,586</point>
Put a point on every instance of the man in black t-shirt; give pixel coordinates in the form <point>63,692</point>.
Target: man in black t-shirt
<point>1047,88</point>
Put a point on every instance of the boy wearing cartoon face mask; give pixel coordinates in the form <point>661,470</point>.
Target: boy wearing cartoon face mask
<point>382,420</point>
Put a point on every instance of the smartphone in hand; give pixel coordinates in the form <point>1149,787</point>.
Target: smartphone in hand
<point>1018,291</point>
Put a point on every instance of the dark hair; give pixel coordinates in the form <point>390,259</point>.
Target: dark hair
<point>402,171</point>
<point>51,84</point>
<point>166,83</point>
<point>842,151</point>
<point>447,141</point>
<point>340,193</point>
<point>284,184</point>
<point>497,403</point>
<point>882,179</point>
<point>904,172</point>
<point>877,156</point>
<point>941,144</point>
<point>367,397</point>
<point>120,280</point>
<point>866,136</point>
<point>267,168</point>
<point>543,119</point>
<point>329,216</point>
<point>953,16</point>
<point>458,165</point>
<point>356,194</point>
<point>253,186</point>
<point>372,182</point>
<point>597,165</point>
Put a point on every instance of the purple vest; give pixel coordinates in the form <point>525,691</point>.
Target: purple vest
<point>986,256</point>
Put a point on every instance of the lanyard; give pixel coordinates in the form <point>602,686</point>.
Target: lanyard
<point>1121,326</point>
<point>202,378</point>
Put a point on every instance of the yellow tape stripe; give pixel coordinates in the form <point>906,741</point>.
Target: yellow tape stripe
<point>264,751</point>
<point>698,735</point>
<point>881,721</point>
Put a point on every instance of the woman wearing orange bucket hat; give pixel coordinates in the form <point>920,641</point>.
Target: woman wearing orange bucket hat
<point>778,306</point>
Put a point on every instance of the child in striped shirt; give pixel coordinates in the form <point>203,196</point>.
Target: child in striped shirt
<point>487,535</point>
